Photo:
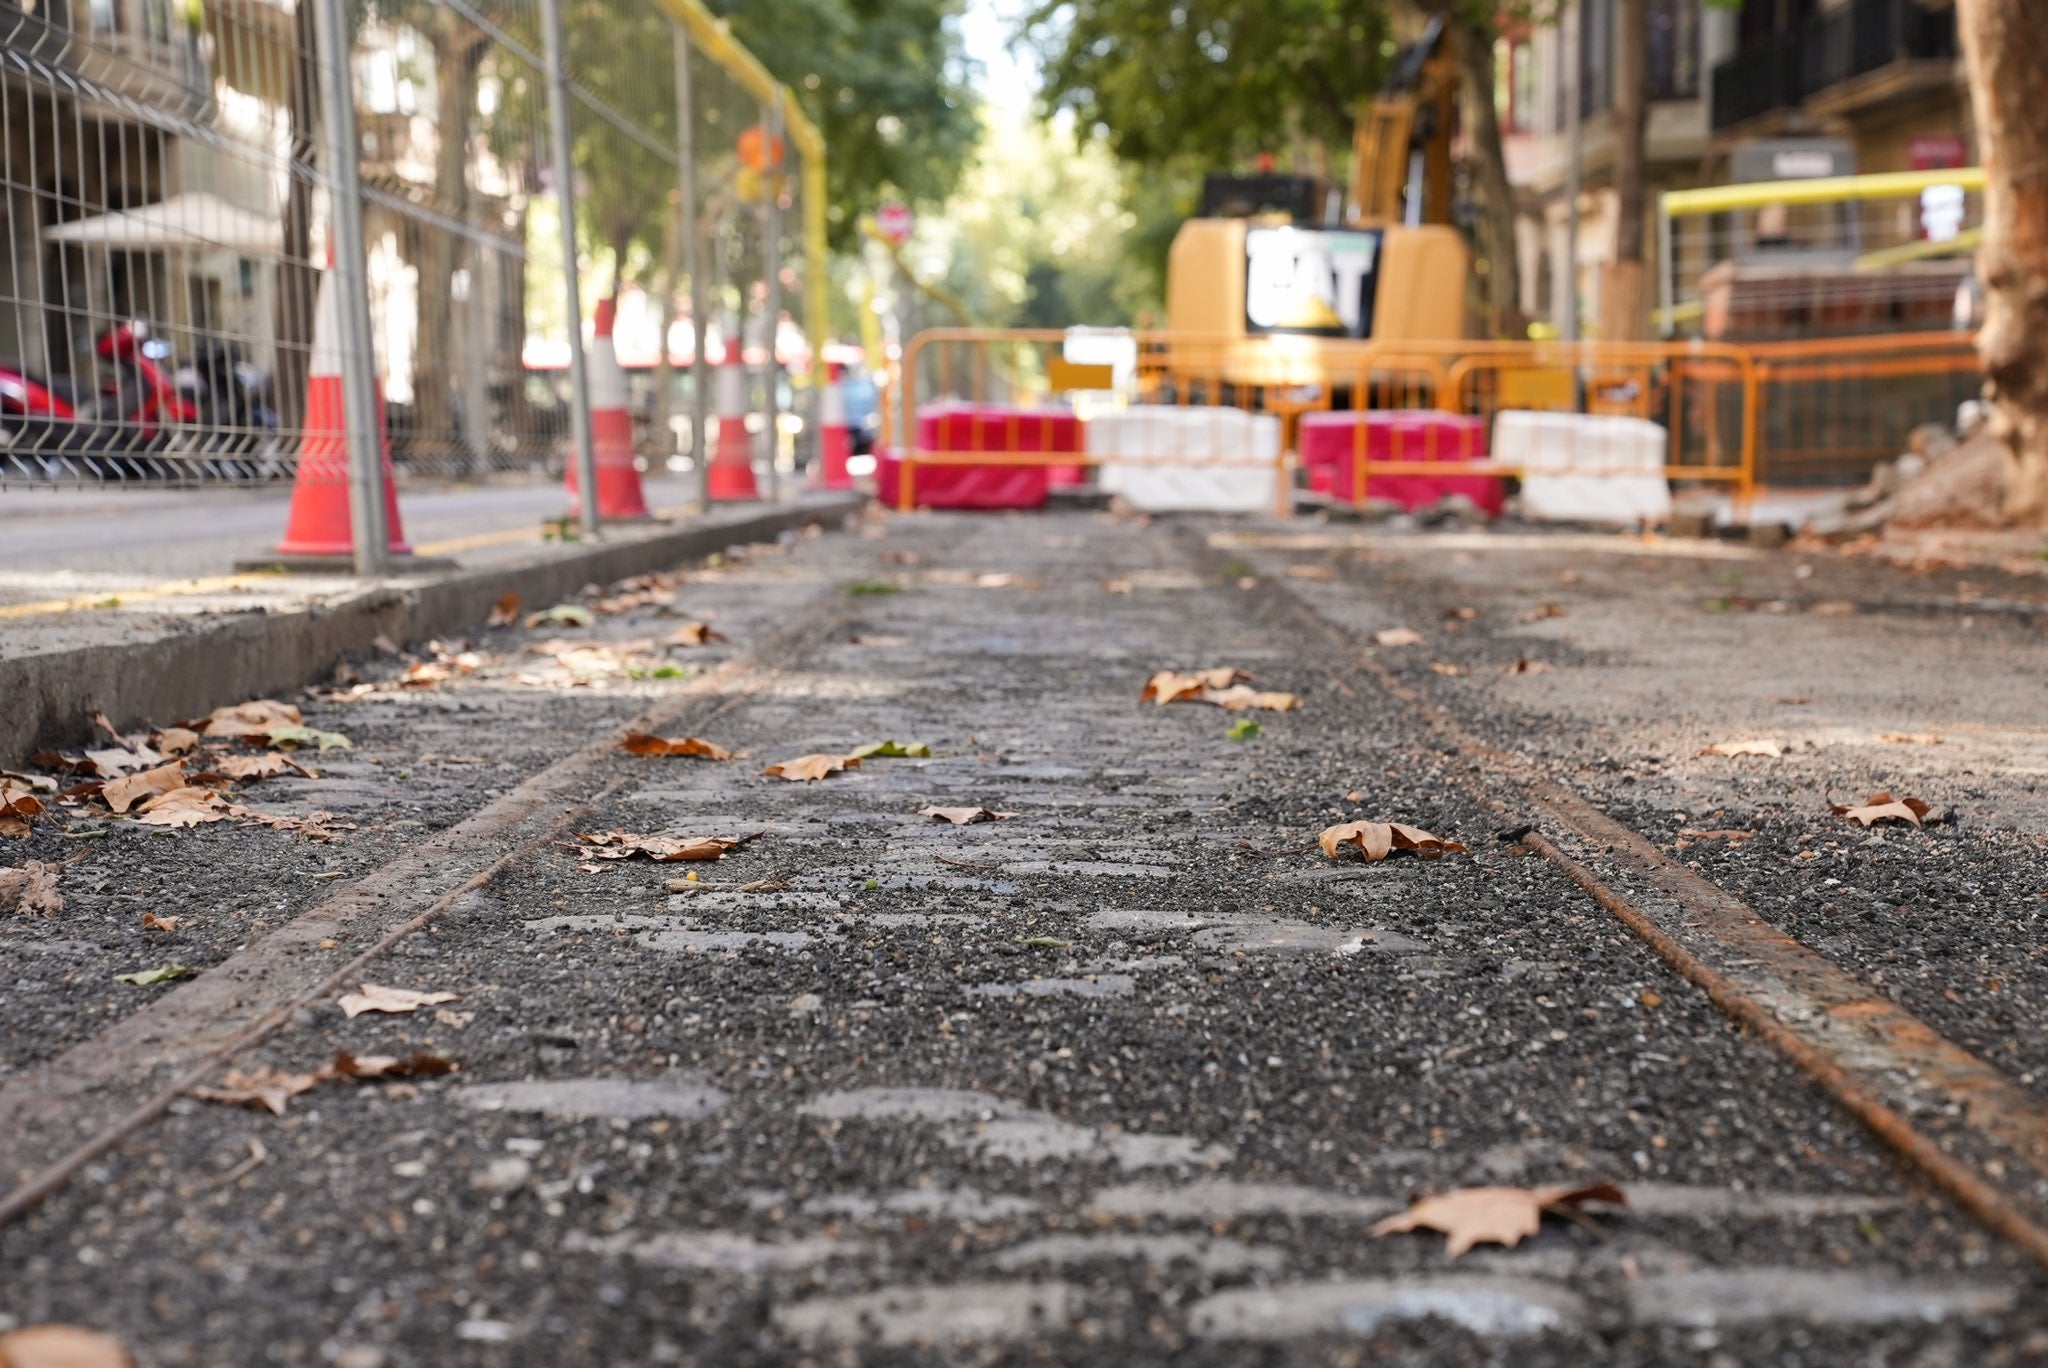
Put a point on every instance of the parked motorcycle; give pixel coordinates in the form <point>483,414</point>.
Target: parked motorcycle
<point>238,429</point>
<point>108,425</point>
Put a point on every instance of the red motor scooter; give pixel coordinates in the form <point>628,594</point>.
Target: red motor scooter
<point>106,429</point>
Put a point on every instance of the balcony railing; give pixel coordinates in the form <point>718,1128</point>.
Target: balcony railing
<point>1828,50</point>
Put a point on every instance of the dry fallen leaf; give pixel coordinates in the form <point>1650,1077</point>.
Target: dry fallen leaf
<point>1493,1215</point>
<point>891,750</point>
<point>61,1346</point>
<point>453,1020</point>
<point>1770,750</point>
<point>1168,686</point>
<point>1725,835</point>
<point>643,743</point>
<point>504,612</point>
<point>32,889</point>
<point>1446,668</point>
<point>420,1064</point>
<point>1460,614</point>
<point>260,766</point>
<point>1910,739</point>
<point>377,998</point>
<point>1546,609</point>
<point>152,922</point>
<point>117,760</point>
<point>1398,636</point>
<point>175,740</point>
<point>1882,807</point>
<point>130,789</point>
<point>257,718</point>
<point>1377,840</point>
<point>1242,697</point>
<point>695,634</point>
<point>1311,572</point>
<point>268,1087</point>
<point>809,767</point>
<point>561,615</point>
<point>17,804</point>
<point>620,845</point>
<point>184,807</point>
<point>1527,666</point>
<point>1117,586</point>
<point>963,816</point>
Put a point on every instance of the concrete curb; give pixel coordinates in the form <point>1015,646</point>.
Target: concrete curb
<point>44,699</point>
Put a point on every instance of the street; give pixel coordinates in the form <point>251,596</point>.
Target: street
<point>1128,1073</point>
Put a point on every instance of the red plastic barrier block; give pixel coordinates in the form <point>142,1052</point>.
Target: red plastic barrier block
<point>1329,443</point>
<point>961,486</point>
<point>996,427</point>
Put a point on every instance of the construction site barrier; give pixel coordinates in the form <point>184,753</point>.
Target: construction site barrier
<point>1724,414</point>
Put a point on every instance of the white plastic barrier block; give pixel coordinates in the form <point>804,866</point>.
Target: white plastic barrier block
<point>1187,459</point>
<point>1580,467</point>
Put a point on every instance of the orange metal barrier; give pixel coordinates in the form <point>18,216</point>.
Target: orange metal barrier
<point>1731,414</point>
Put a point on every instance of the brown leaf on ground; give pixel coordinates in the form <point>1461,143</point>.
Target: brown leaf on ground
<point>1770,750</point>
<point>175,740</point>
<point>417,1065</point>
<point>1447,669</point>
<point>695,634</point>
<point>61,1346</point>
<point>620,845</point>
<point>1493,1215</point>
<point>1460,614</point>
<point>263,766</point>
<point>1116,586</point>
<point>314,826</point>
<point>267,1087</point>
<point>1527,666</point>
<point>32,889</point>
<point>118,760</point>
<point>1543,610</point>
<point>1730,836</point>
<point>1398,636</point>
<point>963,816</point>
<point>1170,686</point>
<point>1910,739</point>
<point>1243,698</point>
<point>1882,807</point>
<point>258,718</point>
<point>105,725</point>
<point>18,803</point>
<point>1321,573</point>
<point>1377,840</point>
<point>374,997</point>
<point>644,743</point>
<point>184,807</point>
<point>130,789</point>
<point>505,612</point>
<point>152,922</point>
<point>454,1021</point>
<point>811,767</point>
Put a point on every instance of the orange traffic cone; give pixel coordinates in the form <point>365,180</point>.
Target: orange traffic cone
<point>619,496</point>
<point>317,535</point>
<point>731,476</point>
<point>835,440</point>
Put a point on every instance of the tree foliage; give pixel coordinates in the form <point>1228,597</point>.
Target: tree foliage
<point>1212,80</point>
<point>887,83</point>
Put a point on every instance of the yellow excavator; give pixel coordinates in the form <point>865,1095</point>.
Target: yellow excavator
<point>1279,282</point>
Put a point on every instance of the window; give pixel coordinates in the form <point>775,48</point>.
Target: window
<point>1514,84</point>
<point>1674,50</point>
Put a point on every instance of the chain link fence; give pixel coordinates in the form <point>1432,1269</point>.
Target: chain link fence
<point>174,220</point>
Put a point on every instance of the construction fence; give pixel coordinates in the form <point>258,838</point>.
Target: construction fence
<point>476,183</point>
<point>1233,424</point>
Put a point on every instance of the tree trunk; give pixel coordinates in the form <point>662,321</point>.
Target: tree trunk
<point>459,51</point>
<point>298,276</point>
<point>1622,314</point>
<point>1473,44</point>
<point>2005,43</point>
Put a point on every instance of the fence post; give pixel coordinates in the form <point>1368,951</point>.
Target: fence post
<point>564,152</point>
<point>352,285</point>
<point>771,258</point>
<point>693,262</point>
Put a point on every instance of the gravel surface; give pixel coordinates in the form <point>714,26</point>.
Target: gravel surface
<point>1122,1079</point>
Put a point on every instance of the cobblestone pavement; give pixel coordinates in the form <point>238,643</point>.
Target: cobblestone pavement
<point>1125,1078</point>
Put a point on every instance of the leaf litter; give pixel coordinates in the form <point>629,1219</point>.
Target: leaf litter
<point>32,889</point>
<point>1495,1215</point>
<point>1769,750</point>
<point>272,1088</point>
<point>621,845</point>
<point>810,768</point>
<point>1377,840</point>
<point>1225,687</point>
<point>964,816</point>
<point>891,750</point>
<point>1882,807</point>
<point>685,747</point>
<point>373,997</point>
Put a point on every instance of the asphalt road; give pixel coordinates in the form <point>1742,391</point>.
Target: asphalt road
<point>1125,1078</point>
